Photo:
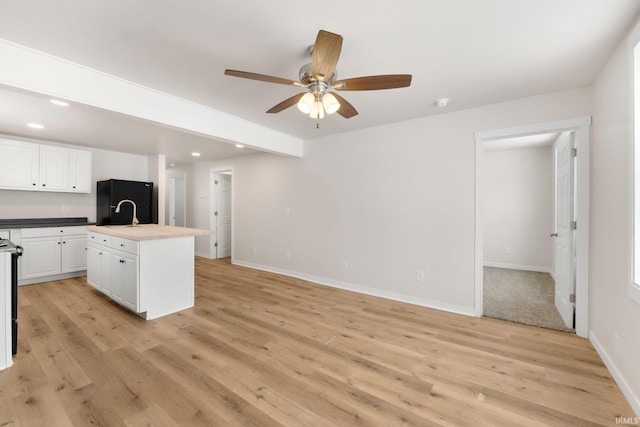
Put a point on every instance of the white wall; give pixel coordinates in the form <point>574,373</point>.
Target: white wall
<point>42,204</point>
<point>518,208</point>
<point>612,310</point>
<point>157,174</point>
<point>390,200</point>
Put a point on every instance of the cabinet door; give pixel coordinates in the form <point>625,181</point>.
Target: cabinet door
<point>94,266</point>
<point>106,261</point>
<point>54,168</point>
<point>20,165</point>
<point>40,257</point>
<point>124,280</point>
<point>74,253</point>
<point>80,171</point>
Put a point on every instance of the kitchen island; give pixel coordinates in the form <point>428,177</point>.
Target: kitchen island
<point>148,268</point>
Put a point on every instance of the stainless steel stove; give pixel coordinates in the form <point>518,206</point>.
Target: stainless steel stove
<point>8,248</point>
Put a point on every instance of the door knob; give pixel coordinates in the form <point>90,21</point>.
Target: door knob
<point>554,234</point>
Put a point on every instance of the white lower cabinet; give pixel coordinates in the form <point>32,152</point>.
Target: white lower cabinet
<point>41,257</point>
<point>124,280</point>
<point>99,267</point>
<point>51,251</point>
<point>112,268</point>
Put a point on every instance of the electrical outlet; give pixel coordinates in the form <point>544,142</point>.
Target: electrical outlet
<point>287,255</point>
<point>345,264</point>
<point>616,343</point>
<point>287,211</point>
<point>507,251</point>
<point>65,206</point>
<point>255,250</point>
<point>419,276</point>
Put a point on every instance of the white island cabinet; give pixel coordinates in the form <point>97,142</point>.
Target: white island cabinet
<point>148,269</point>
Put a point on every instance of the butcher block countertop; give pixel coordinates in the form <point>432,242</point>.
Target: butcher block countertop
<point>148,231</point>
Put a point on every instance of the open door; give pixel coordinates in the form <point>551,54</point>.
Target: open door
<point>222,214</point>
<point>565,226</point>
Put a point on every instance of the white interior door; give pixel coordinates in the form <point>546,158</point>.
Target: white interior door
<point>223,217</point>
<point>177,199</point>
<point>565,274</point>
<point>172,201</point>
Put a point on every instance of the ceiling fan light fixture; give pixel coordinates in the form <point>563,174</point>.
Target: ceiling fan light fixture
<point>306,103</point>
<point>330,103</point>
<point>317,111</point>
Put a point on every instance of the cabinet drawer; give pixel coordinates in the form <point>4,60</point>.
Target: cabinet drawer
<point>125,245</point>
<point>98,238</point>
<point>53,231</point>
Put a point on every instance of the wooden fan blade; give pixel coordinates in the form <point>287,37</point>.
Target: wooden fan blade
<point>326,52</point>
<point>389,81</point>
<point>286,103</point>
<point>261,77</point>
<point>346,110</point>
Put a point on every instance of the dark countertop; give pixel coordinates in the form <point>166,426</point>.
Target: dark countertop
<point>43,222</point>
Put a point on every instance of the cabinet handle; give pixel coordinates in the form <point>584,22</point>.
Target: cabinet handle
<point>121,245</point>
<point>122,261</point>
<point>34,183</point>
<point>44,185</point>
<point>74,186</point>
<point>64,243</point>
<point>58,242</point>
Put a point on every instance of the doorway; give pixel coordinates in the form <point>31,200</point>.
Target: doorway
<point>178,200</point>
<point>221,213</point>
<point>580,128</point>
<point>519,243</point>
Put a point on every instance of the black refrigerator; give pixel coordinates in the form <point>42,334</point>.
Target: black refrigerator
<point>112,191</point>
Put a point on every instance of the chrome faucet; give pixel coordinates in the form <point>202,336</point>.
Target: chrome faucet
<point>135,221</point>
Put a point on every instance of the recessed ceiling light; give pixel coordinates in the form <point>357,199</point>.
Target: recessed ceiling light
<point>195,154</point>
<point>172,165</point>
<point>59,103</point>
<point>441,102</point>
<point>35,125</point>
<point>239,146</point>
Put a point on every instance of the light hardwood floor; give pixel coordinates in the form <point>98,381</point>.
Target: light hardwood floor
<point>262,349</point>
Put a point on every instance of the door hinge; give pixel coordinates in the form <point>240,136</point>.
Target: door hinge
<point>215,182</point>
<point>215,244</point>
<point>572,298</point>
<point>574,152</point>
<point>574,225</point>
<point>215,213</point>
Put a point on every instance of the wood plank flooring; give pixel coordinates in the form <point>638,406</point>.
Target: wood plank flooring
<point>261,349</point>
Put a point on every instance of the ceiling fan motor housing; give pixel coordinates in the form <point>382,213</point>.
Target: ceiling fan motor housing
<point>306,78</point>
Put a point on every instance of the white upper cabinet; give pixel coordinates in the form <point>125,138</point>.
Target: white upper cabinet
<point>20,165</point>
<point>80,171</point>
<point>38,167</point>
<point>54,168</point>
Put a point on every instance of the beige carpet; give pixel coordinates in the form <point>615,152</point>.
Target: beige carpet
<point>521,296</point>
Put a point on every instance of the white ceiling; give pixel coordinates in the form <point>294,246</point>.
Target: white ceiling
<point>475,52</point>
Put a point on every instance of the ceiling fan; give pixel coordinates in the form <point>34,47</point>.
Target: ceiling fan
<point>319,80</point>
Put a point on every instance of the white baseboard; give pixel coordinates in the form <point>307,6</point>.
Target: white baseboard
<point>467,311</point>
<point>43,279</point>
<point>517,267</point>
<point>632,398</point>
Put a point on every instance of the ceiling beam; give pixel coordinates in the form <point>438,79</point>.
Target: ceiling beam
<point>27,69</point>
